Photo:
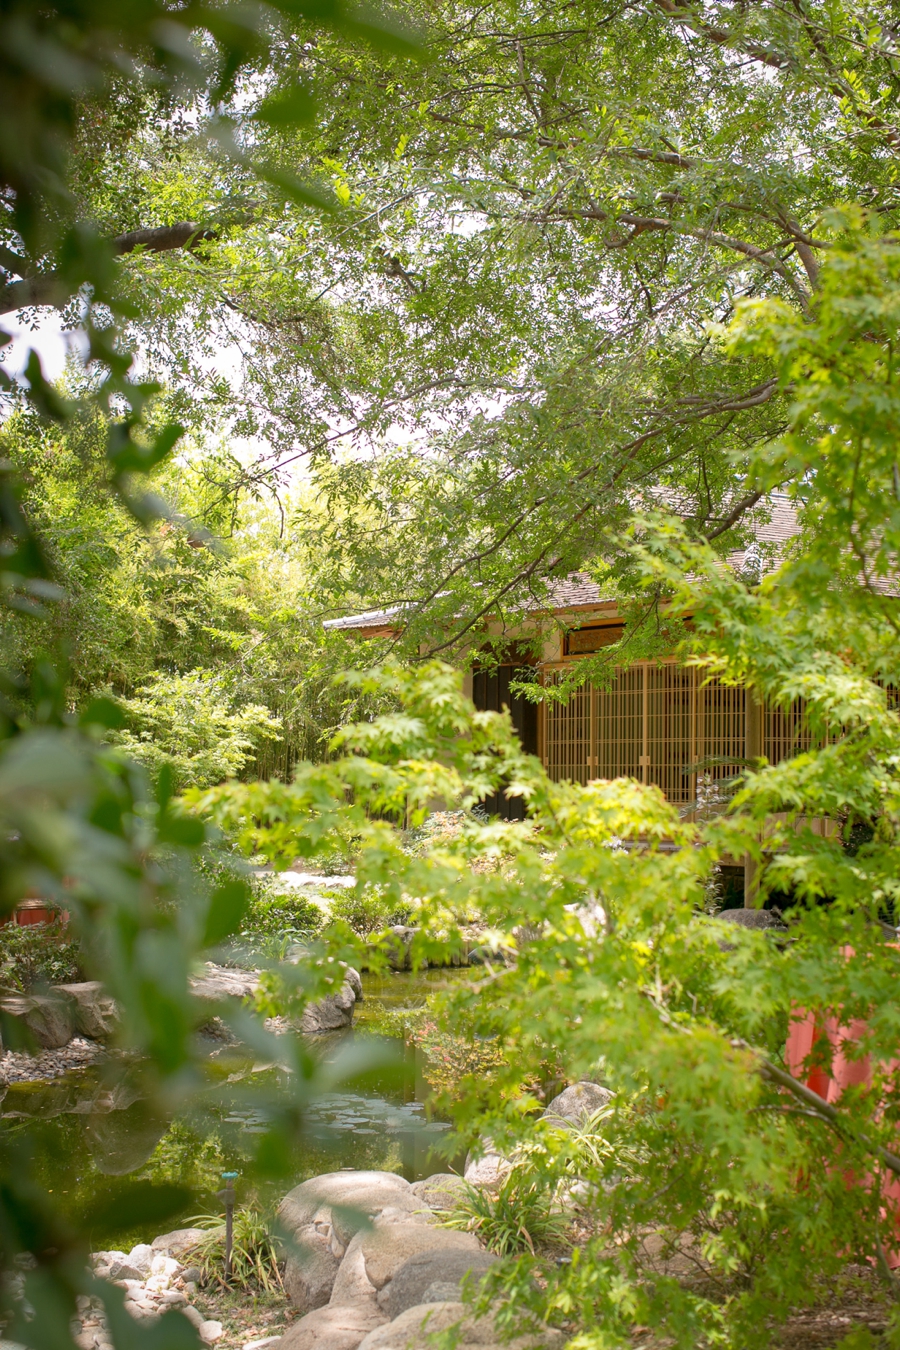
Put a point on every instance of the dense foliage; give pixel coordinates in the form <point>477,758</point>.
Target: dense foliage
<point>593,281</point>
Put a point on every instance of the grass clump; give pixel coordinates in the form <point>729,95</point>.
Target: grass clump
<point>254,1252</point>
<point>518,1216</point>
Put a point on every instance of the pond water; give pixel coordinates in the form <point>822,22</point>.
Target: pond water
<point>91,1134</point>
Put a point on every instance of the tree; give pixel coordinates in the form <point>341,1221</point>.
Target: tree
<point>607,964</point>
<point>511,313</point>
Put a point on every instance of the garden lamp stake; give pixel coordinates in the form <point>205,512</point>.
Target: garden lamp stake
<point>227,1195</point>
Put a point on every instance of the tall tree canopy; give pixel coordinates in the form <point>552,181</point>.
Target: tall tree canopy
<point>506,331</point>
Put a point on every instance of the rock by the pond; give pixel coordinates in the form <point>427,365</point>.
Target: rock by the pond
<point>442,1191</point>
<point>354,979</point>
<point>488,1170</point>
<point>331,1013</point>
<point>375,1255</point>
<point>399,949</point>
<point>331,1328</point>
<point>412,1328</point>
<point>94,1011</point>
<point>751,918</point>
<point>179,1241</point>
<point>141,1257</point>
<point>434,1276</point>
<point>576,1104</point>
<point>220,982</point>
<point>50,1019</point>
<point>322,1215</point>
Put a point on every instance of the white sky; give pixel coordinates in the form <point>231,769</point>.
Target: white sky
<point>48,337</point>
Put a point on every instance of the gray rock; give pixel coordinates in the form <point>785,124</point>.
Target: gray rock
<point>442,1291</point>
<point>488,1170</point>
<point>179,1241</point>
<point>124,1270</point>
<point>50,1018</point>
<point>399,951</point>
<point>221,982</point>
<point>440,1269</point>
<point>376,1254</point>
<point>576,1104</point>
<point>193,1275</point>
<point>331,1013</point>
<point>441,1191</point>
<point>141,1257</point>
<point>95,1012</point>
<point>411,1330</point>
<point>354,979</point>
<point>751,918</point>
<point>321,1217</point>
<point>331,1328</point>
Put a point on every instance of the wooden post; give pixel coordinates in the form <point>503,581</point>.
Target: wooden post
<point>753,749</point>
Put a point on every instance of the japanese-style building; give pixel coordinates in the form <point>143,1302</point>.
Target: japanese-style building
<point>658,722</point>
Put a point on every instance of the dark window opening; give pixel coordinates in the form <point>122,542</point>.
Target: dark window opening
<point>491,693</point>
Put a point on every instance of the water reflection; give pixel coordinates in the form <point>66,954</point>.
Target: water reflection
<point>94,1124</point>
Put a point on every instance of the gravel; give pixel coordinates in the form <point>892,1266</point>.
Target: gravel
<point>16,1067</point>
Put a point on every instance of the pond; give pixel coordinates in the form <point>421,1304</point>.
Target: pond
<point>91,1133</point>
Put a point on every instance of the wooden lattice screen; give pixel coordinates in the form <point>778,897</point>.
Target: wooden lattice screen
<point>661,724</point>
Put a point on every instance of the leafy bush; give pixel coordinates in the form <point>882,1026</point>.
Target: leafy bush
<point>454,1063</point>
<point>254,1252</point>
<point>370,912</point>
<point>190,723</point>
<point>40,953</point>
<point>272,913</point>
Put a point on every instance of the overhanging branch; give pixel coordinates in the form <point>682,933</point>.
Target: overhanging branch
<point>51,288</point>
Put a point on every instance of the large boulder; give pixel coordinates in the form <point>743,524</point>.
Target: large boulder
<point>410,1331</point>
<point>94,1011</point>
<point>434,1276</point>
<point>331,1328</point>
<point>376,1254</point>
<point>332,1013</point>
<point>442,1191</point>
<point>751,918</point>
<point>220,982</point>
<point>179,1241</point>
<point>48,1018</point>
<point>489,1169</point>
<point>321,1216</point>
<point>576,1104</point>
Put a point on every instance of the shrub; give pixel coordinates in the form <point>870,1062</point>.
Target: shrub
<point>518,1217</point>
<point>41,953</point>
<point>369,912</point>
<point>190,723</point>
<point>254,1251</point>
<point>272,914</point>
<point>454,1063</point>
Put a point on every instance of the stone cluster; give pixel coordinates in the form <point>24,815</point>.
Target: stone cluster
<point>370,1267</point>
<point>155,1282</point>
<point>72,1023</point>
<point>18,1067</point>
<point>368,1264</point>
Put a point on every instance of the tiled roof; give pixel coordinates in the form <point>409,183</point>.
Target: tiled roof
<point>372,618</point>
<point>578,589</point>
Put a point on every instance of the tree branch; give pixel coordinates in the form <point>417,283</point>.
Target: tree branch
<point>50,288</point>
